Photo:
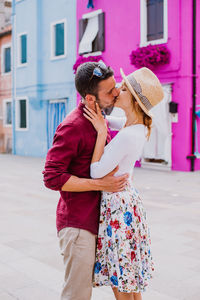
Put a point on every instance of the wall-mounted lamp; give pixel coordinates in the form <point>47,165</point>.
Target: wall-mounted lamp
<point>173,107</point>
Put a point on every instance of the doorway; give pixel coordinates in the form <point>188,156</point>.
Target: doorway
<point>56,112</point>
<point>157,151</point>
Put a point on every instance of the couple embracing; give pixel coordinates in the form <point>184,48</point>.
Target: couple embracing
<point>101,221</point>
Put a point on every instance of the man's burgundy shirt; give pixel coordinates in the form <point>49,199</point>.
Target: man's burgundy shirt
<point>71,154</point>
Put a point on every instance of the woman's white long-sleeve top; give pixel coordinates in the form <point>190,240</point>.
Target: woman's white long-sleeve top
<point>123,151</point>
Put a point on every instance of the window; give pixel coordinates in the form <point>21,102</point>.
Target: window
<point>8,3</point>
<point>22,114</point>
<point>22,49</point>
<point>153,22</point>
<point>7,113</point>
<point>92,33</point>
<point>6,59</point>
<point>58,39</point>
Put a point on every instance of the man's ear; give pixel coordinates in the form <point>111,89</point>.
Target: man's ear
<point>90,99</point>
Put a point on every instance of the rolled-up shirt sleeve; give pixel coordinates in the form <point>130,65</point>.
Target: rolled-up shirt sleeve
<point>60,155</point>
<point>114,152</point>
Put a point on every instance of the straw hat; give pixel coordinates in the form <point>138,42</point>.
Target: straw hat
<point>145,87</point>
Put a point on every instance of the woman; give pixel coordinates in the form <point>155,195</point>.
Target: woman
<point>123,258</point>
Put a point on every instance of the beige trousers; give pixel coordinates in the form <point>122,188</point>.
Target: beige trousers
<point>78,250</point>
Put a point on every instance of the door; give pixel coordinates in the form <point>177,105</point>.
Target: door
<point>157,151</point>
<point>56,112</point>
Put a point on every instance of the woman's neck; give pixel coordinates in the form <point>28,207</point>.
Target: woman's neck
<point>132,118</point>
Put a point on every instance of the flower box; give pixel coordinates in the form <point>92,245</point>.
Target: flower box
<point>151,56</point>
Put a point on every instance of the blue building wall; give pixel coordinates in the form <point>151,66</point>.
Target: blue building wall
<point>42,79</point>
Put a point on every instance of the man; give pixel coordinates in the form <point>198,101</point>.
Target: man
<point>67,170</point>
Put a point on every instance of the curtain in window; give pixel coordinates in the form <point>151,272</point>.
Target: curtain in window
<point>23,49</point>
<point>59,39</point>
<point>155,18</point>
<point>56,113</point>
<point>7,61</point>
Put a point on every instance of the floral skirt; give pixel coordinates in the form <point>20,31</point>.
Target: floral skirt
<point>123,257</point>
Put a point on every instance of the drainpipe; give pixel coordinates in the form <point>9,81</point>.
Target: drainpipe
<point>192,157</point>
<point>14,70</point>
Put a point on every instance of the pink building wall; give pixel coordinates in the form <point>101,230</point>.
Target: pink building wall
<point>122,35</point>
<point>198,75</point>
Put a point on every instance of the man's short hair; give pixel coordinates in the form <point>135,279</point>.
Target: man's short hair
<point>87,82</point>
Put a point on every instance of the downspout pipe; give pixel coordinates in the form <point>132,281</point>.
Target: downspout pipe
<point>194,86</point>
<point>14,70</point>
<point>192,157</point>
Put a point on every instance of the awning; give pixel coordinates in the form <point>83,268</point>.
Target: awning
<point>89,35</point>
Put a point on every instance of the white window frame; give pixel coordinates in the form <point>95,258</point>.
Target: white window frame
<point>17,128</point>
<point>5,113</point>
<point>52,46</point>
<point>4,46</point>
<point>87,16</point>
<point>143,25</point>
<point>19,64</point>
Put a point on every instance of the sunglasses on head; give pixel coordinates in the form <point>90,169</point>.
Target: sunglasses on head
<point>98,70</point>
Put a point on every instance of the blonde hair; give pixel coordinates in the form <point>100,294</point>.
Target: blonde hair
<point>147,121</point>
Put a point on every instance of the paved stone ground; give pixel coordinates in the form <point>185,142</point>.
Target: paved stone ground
<point>31,266</point>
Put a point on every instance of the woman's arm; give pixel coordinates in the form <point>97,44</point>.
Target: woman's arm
<point>113,154</point>
<point>104,161</point>
<point>99,124</point>
<point>99,146</point>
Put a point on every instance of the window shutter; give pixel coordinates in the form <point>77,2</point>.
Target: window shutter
<point>59,39</point>
<point>154,19</point>
<point>160,13</point>
<point>22,114</point>
<point>99,42</point>
<point>7,60</point>
<point>23,49</point>
<point>8,113</point>
<point>82,27</point>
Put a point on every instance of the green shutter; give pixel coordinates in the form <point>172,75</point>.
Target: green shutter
<point>22,113</point>
<point>23,48</point>
<point>7,61</point>
<point>59,39</point>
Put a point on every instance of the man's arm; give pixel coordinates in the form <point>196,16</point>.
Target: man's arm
<point>57,178</point>
<point>109,183</point>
